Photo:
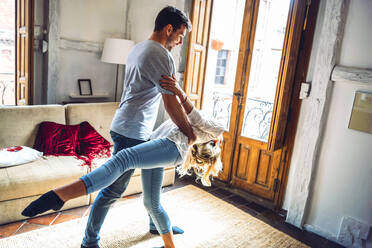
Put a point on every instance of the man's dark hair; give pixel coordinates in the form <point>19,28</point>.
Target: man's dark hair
<point>173,16</point>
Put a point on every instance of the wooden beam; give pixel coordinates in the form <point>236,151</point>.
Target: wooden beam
<point>86,46</point>
<point>352,74</point>
<point>314,111</point>
<point>295,105</point>
<point>53,51</point>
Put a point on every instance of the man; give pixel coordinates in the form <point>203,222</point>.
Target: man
<point>135,118</point>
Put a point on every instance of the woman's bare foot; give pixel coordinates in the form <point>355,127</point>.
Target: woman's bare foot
<point>168,240</point>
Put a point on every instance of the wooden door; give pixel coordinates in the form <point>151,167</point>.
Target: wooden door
<point>262,110</point>
<point>24,52</point>
<point>197,50</point>
<point>253,160</point>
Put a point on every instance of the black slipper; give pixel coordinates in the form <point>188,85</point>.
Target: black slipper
<point>47,201</point>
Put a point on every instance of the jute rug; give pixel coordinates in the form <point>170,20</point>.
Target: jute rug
<point>207,221</point>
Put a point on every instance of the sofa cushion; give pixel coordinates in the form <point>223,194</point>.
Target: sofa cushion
<point>39,176</point>
<point>99,115</point>
<point>11,210</point>
<point>19,124</point>
<point>97,162</point>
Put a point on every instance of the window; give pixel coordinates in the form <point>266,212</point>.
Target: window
<point>7,52</point>
<point>222,58</point>
<point>266,62</point>
<point>16,52</point>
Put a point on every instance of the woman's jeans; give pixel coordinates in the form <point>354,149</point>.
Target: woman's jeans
<point>147,156</point>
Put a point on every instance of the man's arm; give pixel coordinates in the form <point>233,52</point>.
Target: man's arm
<point>178,116</point>
<point>209,126</point>
<point>170,84</point>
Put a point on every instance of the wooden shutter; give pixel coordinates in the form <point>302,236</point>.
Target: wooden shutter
<point>197,50</point>
<point>295,27</point>
<point>24,52</point>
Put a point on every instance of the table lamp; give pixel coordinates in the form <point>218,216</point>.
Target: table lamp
<point>115,51</point>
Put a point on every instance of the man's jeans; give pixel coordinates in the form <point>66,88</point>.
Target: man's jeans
<point>151,180</point>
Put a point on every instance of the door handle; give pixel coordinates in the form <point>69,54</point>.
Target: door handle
<point>238,94</point>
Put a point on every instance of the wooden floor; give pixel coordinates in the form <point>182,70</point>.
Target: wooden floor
<point>268,216</point>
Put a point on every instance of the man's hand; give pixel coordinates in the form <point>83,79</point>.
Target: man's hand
<point>170,83</point>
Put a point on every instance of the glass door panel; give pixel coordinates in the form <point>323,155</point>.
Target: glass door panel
<point>7,52</point>
<point>264,72</point>
<point>222,58</point>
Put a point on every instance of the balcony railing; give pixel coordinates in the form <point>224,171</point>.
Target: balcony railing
<point>222,108</point>
<point>6,88</point>
<point>257,119</point>
<point>257,115</point>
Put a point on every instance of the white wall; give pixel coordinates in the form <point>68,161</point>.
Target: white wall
<point>357,42</point>
<point>342,184</point>
<point>88,21</point>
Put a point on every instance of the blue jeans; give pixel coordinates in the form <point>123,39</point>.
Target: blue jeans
<point>114,177</point>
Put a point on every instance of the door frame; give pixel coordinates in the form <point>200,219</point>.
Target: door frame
<point>303,59</point>
<point>24,55</point>
<point>295,102</point>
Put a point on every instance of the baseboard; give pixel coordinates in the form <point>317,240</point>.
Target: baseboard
<point>320,232</point>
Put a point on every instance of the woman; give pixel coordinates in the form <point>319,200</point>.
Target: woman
<point>167,147</point>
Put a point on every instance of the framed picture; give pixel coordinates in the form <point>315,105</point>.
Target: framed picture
<point>85,87</point>
<point>361,115</point>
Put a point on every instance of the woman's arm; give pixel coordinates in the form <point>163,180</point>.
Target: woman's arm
<point>170,83</point>
<point>206,128</point>
<point>174,109</point>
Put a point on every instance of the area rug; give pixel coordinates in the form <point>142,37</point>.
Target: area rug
<point>207,220</point>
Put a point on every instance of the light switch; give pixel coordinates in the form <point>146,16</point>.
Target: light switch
<point>37,31</point>
<point>305,90</point>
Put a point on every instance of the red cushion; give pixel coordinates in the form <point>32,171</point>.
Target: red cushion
<point>57,139</point>
<point>90,141</point>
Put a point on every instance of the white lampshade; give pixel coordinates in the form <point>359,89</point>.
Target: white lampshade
<point>115,51</point>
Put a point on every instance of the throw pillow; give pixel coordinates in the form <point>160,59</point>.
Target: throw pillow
<point>57,139</point>
<point>18,155</point>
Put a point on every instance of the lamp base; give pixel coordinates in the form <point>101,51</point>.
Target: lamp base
<point>116,82</point>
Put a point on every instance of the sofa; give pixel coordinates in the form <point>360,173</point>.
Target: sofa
<point>21,184</point>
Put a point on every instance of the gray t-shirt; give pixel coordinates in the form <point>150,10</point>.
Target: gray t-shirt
<point>146,63</point>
